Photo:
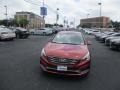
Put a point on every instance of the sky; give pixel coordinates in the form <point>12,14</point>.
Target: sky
<point>69,9</point>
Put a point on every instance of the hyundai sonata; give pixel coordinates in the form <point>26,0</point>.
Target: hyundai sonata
<point>66,54</point>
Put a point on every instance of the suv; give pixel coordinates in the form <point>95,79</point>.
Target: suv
<point>21,33</point>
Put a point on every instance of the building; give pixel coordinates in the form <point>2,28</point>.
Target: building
<point>103,22</point>
<point>35,21</point>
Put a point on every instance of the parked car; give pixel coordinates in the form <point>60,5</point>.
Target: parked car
<point>115,44</point>
<point>114,36</point>
<point>88,31</point>
<point>94,32</point>
<point>21,33</point>
<point>98,36</point>
<point>31,31</point>
<point>66,54</point>
<point>44,31</point>
<point>6,34</point>
<point>105,35</point>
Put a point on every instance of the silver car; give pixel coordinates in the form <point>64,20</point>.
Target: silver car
<point>6,34</point>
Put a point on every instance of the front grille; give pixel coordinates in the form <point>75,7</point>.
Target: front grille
<point>63,61</point>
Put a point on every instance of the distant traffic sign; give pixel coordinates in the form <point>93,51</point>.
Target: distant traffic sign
<point>43,11</point>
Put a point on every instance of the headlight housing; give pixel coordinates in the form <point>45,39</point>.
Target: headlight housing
<point>86,57</point>
<point>43,53</point>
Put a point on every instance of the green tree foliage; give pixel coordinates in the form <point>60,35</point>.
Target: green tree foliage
<point>116,25</point>
<point>23,22</point>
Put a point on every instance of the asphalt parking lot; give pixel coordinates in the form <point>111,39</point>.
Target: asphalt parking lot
<point>20,69</point>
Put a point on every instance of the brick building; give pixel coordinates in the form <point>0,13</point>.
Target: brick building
<point>103,22</point>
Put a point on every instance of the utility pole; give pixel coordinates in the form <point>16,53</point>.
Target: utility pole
<point>100,21</point>
<point>57,16</point>
<point>6,15</point>
<point>43,6</point>
<point>64,21</point>
<point>74,22</point>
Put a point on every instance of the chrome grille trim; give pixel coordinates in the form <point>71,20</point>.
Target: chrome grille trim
<point>63,61</point>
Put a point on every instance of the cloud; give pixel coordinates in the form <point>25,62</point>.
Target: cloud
<point>70,8</point>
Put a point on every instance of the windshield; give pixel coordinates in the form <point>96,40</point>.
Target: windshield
<point>68,39</point>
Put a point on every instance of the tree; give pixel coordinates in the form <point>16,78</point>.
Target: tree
<point>23,22</point>
<point>49,25</point>
<point>116,25</point>
<point>11,22</point>
<point>4,22</point>
<point>61,25</point>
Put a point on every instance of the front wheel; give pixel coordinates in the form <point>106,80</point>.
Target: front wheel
<point>44,33</point>
<point>17,36</point>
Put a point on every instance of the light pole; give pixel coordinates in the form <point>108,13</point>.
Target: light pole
<point>57,16</point>
<point>74,22</point>
<point>43,6</point>
<point>64,21</point>
<point>6,15</point>
<point>100,4</point>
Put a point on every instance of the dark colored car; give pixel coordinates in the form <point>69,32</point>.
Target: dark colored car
<point>114,36</point>
<point>106,35</point>
<point>66,54</point>
<point>115,44</point>
<point>21,33</point>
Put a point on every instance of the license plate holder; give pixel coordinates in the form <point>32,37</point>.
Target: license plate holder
<point>62,68</point>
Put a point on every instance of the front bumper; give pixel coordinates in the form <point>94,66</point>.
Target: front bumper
<point>24,35</point>
<point>7,37</point>
<point>73,70</point>
<point>115,45</point>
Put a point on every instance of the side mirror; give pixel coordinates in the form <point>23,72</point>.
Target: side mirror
<point>89,43</point>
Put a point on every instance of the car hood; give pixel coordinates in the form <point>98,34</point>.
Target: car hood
<point>66,51</point>
<point>5,30</point>
<point>115,39</point>
<point>110,38</point>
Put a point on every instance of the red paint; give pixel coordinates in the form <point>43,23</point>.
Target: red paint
<point>75,52</point>
<point>66,51</point>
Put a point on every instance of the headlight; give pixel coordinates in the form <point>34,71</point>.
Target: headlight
<point>43,53</point>
<point>86,57</point>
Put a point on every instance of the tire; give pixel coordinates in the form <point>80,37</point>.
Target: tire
<point>32,33</point>
<point>26,37</point>
<point>44,33</point>
<point>12,39</point>
<point>112,47</point>
<point>17,36</point>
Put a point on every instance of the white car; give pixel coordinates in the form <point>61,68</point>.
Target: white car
<point>44,31</point>
<point>89,32</point>
<point>6,34</point>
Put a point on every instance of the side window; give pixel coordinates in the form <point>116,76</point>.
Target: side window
<point>41,29</point>
<point>117,35</point>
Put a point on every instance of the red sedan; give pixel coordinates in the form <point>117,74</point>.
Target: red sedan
<point>66,54</point>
